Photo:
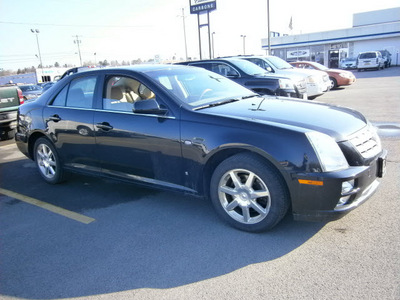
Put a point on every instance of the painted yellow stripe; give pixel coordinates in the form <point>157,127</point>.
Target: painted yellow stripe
<point>311,182</point>
<point>50,207</point>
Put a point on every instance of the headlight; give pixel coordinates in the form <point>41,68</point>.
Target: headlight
<point>286,84</point>
<point>311,79</point>
<point>345,75</point>
<point>329,154</point>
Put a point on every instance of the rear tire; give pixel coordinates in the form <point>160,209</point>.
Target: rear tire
<point>248,193</point>
<point>48,161</point>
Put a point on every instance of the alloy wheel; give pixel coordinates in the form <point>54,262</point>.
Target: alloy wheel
<point>244,196</point>
<point>46,161</point>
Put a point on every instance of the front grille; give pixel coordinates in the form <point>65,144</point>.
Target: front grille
<point>367,142</point>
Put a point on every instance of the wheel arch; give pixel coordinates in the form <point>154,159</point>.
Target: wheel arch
<point>223,154</point>
<point>32,140</point>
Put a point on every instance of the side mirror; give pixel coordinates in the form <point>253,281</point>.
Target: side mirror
<point>269,69</point>
<point>232,75</point>
<point>149,106</point>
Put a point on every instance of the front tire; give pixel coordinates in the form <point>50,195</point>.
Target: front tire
<point>333,83</point>
<point>248,193</point>
<point>48,161</point>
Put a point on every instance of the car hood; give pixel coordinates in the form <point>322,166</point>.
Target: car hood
<point>338,122</point>
<point>338,71</point>
<point>303,72</point>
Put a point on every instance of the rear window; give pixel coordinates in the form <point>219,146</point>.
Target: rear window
<point>368,55</point>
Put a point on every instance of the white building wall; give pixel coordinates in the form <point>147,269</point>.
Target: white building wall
<point>390,44</point>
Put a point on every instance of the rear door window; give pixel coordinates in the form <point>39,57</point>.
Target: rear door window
<point>79,93</point>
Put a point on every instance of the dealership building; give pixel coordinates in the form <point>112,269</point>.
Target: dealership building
<point>375,30</point>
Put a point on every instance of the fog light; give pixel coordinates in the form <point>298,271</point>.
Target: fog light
<point>347,189</point>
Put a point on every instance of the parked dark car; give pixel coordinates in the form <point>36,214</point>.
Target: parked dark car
<point>251,76</point>
<point>188,129</point>
<point>31,91</point>
<point>387,58</point>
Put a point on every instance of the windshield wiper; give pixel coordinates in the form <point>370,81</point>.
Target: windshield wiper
<point>217,103</point>
<point>250,96</point>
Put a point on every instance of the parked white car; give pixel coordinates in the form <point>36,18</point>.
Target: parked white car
<point>317,81</point>
<point>370,60</point>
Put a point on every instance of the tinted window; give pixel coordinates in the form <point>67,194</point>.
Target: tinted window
<point>220,68</point>
<point>368,55</point>
<point>61,97</point>
<point>81,92</point>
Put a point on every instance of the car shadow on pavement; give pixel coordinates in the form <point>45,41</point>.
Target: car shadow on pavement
<point>140,239</point>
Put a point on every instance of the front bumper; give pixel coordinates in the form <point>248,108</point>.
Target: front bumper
<point>346,81</point>
<point>322,202</point>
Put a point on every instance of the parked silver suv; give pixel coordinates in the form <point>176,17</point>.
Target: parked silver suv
<point>317,82</point>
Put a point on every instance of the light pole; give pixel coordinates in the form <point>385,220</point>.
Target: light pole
<point>213,53</point>
<point>36,32</point>
<point>244,44</point>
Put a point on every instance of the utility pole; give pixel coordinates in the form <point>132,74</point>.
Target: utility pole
<point>77,41</point>
<point>184,32</point>
<point>269,30</point>
<point>36,32</point>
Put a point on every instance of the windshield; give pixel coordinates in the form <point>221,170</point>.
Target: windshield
<point>248,67</point>
<point>279,63</point>
<point>319,66</point>
<point>198,87</point>
<point>367,55</point>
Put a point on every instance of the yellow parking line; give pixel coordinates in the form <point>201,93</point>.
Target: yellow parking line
<point>55,209</point>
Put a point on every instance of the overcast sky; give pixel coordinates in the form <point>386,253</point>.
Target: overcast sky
<point>132,29</point>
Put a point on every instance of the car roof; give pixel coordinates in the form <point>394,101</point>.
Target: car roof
<point>142,68</point>
<point>228,59</point>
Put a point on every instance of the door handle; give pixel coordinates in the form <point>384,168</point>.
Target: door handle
<point>105,126</point>
<point>55,118</point>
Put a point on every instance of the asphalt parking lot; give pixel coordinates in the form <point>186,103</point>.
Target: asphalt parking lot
<point>92,238</point>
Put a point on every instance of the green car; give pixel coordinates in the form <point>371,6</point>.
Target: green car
<point>10,98</point>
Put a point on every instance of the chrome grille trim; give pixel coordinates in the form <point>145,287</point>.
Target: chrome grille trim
<point>367,142</point>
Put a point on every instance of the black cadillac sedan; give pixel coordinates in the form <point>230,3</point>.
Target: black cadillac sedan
<point>188,129</point>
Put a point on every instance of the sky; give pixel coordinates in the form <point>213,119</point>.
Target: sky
<point>127,30</point>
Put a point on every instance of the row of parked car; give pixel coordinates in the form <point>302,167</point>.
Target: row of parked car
<point>271,75</point>
<point>368,60</point>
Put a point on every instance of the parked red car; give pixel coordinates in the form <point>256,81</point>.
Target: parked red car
<point>338,77</point>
